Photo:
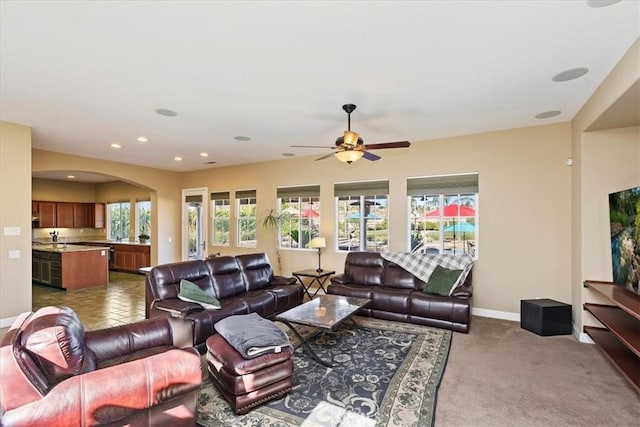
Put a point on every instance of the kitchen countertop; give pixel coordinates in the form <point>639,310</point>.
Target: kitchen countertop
<point>79,242</point>
<point>60,247</point>
<point>114,242</point>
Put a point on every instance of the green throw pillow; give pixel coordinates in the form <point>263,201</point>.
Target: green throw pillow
<point>191,292</point>
<point>441,281</point>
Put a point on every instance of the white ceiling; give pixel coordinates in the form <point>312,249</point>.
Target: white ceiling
<point>88,74</point>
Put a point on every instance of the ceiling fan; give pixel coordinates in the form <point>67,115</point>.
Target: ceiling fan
<point>351,147</point>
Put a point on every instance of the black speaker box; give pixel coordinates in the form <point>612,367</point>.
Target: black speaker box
<point>545,317</point>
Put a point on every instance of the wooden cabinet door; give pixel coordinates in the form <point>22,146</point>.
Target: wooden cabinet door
<point>80,215</point>
<point>47,212</point>
<point>98,214</point>
<point>45,271</point>
<point>64,215</point>
<point>35,269</point>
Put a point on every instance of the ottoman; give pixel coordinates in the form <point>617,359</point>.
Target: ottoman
<point>246,383</point>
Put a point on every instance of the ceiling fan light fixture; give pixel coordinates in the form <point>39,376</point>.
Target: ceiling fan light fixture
<point>350,138</point>
<point>349,156</point>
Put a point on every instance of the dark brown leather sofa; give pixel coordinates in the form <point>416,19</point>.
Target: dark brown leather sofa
<point>398,295</point>
<point>243,284</point>
<point>55,374</point>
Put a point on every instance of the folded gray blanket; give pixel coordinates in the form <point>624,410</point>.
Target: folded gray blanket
<point>252,335</point>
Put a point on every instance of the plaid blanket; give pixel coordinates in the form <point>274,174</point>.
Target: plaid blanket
<point>422,265</point>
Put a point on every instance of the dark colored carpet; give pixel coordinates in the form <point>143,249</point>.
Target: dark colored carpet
<point>385,374</point>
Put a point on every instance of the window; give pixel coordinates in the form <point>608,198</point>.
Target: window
<point>118,218</point>
<point>247,223</point>
<point>443,214</point>
<point>143,217</point>
<point>362,216</point>
<point>300,210</point>
<point>220,218</point>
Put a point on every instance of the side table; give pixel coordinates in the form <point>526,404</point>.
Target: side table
<point>318,277</point>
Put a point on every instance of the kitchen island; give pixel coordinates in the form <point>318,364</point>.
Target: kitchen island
<point>70,266</point>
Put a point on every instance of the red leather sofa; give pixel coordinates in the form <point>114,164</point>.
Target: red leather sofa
<point>396,294</point>
<point>55,374</point>
<point>243,284</point>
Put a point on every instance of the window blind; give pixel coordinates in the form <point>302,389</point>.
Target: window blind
<point>299,191</point>
<point>221,195</point>
<point>362,188</point>
<point>444,184</point>
<point>245,194</point>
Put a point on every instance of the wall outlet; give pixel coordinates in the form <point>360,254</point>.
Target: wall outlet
<point>12,231</point>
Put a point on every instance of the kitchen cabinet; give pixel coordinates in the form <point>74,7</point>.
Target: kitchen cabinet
<point>68,215</point>
<point>64,215</point>
<point>46,214</point>
<point>46,268</point>
<point>131,257</point>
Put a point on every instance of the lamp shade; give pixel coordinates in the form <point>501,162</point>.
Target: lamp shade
<point>318,242</point>
<point>349,156</point>
<point>350,138</point>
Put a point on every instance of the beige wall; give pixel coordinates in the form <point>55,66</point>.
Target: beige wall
<point>62,191</point>
<point>524,229</point>
<point>15,211</point>
<point>587,219</point>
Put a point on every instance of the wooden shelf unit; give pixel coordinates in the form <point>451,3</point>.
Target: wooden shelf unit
<point>620,337</point>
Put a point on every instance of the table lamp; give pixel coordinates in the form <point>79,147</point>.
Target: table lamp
<point>319,243</point>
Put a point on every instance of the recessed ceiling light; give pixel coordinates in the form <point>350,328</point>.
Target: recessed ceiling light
<point>547,114</point>
<point>166,112</point>
<point>601,3</point>
<point>571,74</point>
<point>203,154</point>
<point>211,163</point>
<point>288,154</point>
<point>71,176</point>
<point>242,138</point>
<point>177,158</point>
<point>143,139</point>
<point>114,145</point>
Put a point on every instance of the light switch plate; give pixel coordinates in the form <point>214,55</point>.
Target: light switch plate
<point>12,231</point>
<point>15,254</point>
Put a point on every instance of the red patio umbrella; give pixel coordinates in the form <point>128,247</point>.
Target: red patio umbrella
<point>309,213</point>
<point>453,210</point>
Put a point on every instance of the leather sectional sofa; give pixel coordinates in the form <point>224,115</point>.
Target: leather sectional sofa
<point>55,374</point>
<point>243,284</point>
<point>398,295</point>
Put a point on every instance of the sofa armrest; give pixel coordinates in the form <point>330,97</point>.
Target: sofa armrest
<point>462,291</point>
<point>176,307</point>
<point>341,279</point>
<point>282,280</point>
<point>130,338</point>
<point>109,396</point>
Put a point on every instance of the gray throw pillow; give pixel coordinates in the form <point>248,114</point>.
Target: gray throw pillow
<point>191,292</point>
<point>442,281</point>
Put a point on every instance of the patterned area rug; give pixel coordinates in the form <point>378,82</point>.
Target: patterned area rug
<point>385,374</point>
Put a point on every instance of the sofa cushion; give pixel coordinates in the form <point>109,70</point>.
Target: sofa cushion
<point>442,281</point>
<point>256,270</point>
<point>226,277</point>
<point>397,277</point>
<point>54,338</point>
<point>364,268</point>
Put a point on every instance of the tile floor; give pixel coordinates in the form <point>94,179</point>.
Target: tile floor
<point>119,303</point>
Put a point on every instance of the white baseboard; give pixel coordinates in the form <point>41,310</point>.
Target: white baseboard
<point>5,323</point>
<point>495,314</point>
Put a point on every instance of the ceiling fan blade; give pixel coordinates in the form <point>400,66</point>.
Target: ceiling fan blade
<point>312,146</point>
<point>398,144</point>
<point>370,156</point>
<point>324,157</point>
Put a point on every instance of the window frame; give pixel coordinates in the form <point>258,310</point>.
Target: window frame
<point>138,228</point>
<point>220,201</point>
<point>364,195</point>
<point>292,204</point>
<point>246,217</point>
<point>437,192</point>
<point>126,218</point>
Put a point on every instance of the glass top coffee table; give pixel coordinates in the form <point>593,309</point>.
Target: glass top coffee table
<point>325,312</point>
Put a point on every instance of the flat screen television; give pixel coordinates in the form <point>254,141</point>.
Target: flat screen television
<point>624,218</point>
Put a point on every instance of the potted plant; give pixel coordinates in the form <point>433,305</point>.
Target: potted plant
<point>271,220</point>
<point>143,237</point>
